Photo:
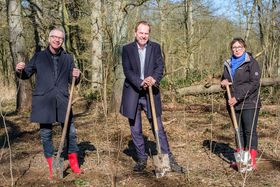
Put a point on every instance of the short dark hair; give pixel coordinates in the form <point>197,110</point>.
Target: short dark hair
<point>143,23</point>
<point>239,40</point>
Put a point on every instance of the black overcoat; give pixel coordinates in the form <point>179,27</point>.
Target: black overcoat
<point>132,85</point>
<point>50,95</point>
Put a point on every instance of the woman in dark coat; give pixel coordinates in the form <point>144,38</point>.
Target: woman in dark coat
<point>242,72</point>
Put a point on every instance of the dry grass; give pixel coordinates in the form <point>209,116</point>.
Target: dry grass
<point>7,93</point>
<point>201,140</point>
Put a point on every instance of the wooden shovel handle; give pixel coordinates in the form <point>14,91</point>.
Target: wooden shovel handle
<point>232,111</point>
<point>153,108</point>
<point>66,121</point>
<point>154,117</point>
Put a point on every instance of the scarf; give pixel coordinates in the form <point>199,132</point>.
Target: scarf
<point>236,62</point>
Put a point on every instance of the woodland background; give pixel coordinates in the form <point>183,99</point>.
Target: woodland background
<point>194,35</point>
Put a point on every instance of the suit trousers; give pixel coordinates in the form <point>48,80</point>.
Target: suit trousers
<point>46,139</point>
<point>136,131</point>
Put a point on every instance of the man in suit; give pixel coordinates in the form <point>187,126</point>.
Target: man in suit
<point>54,69</point>
<point>143,67</point>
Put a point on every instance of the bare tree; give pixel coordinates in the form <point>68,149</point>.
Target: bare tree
<point>66,24</point>
<point>4,62</point>
<point>119,35</point>
<point>250,20</point>
<point>17,47</point>
<point>96,56</point>
<point>267,36</point>
<point>274,37</point>
<point>163,11</point>
<point>189,31</point>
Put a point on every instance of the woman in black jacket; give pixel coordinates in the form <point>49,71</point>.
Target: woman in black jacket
<point>242,72</point>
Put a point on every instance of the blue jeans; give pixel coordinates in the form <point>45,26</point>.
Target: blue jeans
<point>46,139</point>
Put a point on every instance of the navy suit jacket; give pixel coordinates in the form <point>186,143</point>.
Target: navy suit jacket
<point>132,85</point>
<point>50,95</point>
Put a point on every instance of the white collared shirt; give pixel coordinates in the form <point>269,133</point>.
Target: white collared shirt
<point>142,56</point>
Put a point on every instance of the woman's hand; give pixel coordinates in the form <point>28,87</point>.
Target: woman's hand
<point>225,82</point>
<point>232,101</point>
<point>76,72</point>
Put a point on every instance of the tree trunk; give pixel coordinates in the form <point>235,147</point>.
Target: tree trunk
<point>163,4</point>
<point>118,83</point>
<point>275,36</point>
<point>65,24</point>
<point>263,41</point>
<point>96,57</point>
<point>250,20</point>
<point>35,24</point>
<point>189,32</point>
<point>119,35</point>
<point>17,47</point>
<point>273,39</point>
<point>4,63</point>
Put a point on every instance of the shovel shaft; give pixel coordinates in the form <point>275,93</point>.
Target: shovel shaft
<point>66,121</point>
<point>154,117</point>
<point>238,138</point>
<point>234,120</point>
<point>233,116</point>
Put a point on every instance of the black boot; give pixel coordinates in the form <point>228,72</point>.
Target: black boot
<point>140,165</point>
<point>175,166</point>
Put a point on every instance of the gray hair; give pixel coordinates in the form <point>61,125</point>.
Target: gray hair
<point>57,29</point>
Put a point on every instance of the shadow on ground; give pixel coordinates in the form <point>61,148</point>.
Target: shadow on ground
<point>222,150</point>
<point>150,149</point>
<point>84,148</point>
<point>14,133</point>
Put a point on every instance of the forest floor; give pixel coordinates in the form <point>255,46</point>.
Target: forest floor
<point>200,136</point>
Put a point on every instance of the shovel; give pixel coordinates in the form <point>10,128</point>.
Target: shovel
<point>58,165</point>
<point>161,161</point>
<point>242,158</point>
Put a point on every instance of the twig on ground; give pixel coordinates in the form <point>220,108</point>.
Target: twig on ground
<point>4,177</point>
<point>25,171</point>
<point>169,122</point>
<point>180,145</point>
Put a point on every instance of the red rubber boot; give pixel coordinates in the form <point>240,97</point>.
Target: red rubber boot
<point>49,160</point>
<point>253,153</point>
<point>73,161</point>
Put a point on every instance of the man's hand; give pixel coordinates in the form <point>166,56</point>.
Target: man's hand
<point>151,81</point>
<point>147,82</point>
<point>20,66</point>
<point>76,72</point>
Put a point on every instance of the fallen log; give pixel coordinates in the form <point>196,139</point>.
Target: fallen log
<point>195,108</point>
<point>216,88</point>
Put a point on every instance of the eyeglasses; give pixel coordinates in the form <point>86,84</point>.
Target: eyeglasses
<point>57,37</point>
<point>237,48</point>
